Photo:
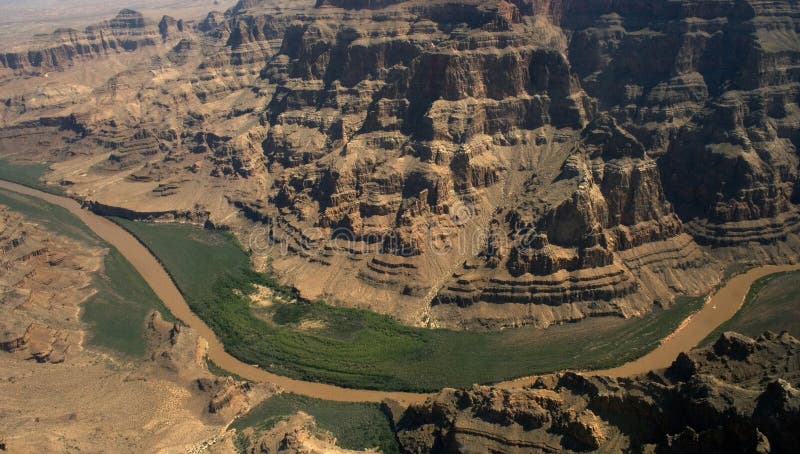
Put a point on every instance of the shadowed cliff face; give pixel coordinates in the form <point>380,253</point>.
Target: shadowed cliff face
<point>727,398</point>
<point>471,163</point>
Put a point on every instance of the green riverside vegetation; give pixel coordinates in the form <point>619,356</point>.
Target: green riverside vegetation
<point>356,426</point>
<point>770,305</point>
<point>361,349</point>
<point>26,175</point>
<point>116,313</point>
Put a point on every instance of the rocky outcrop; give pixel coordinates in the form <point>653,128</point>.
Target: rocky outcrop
<point>741,186</point>
<point>727,398</point>
<point>432,160</point>
<point>715,98</point>
<point>580,251</point>
<point>178,349</point>
<point>168,26</point>
<point>197,217</point>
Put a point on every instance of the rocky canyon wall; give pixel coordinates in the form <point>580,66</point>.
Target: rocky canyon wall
<point>461,164</point>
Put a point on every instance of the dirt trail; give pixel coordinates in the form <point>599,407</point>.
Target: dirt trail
<point>719,308</point>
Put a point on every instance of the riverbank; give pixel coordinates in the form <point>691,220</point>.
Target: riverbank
<point>719,308</point>
<point>315,341</point>
<point>158,279</point>
<point>771,305</point>
<point>156,276</point>
<point>121,299</point>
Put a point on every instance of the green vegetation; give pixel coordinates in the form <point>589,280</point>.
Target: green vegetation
<point>770,305</point>
<point>355,425</point>
<point>116,313</point>
<point>26,174</point>
<point>361,349</point>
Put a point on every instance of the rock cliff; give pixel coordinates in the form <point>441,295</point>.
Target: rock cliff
<point>480,163</point>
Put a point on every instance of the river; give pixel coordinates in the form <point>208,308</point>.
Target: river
<point>720,307</point>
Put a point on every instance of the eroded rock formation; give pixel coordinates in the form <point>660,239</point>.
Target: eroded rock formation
<point>126,32</point>
<point>475,163</point>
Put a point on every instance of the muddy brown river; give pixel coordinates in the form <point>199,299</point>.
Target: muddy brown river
<point>720,307</point>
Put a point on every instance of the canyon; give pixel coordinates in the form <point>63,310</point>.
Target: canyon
<point>741,391</point>
<point>474,165</point>
<point>469,165</point>
<point>507,188</point>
